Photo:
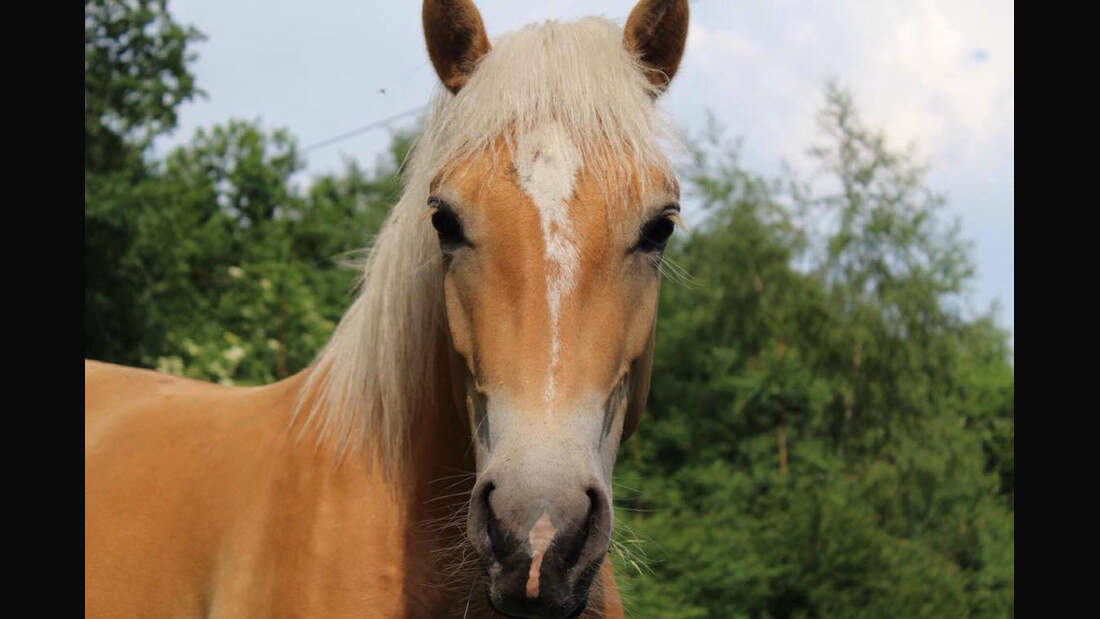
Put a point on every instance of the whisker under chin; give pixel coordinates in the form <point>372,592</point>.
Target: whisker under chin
<point>444,497</point>
<point>459,476</point>
<point>455,522</point>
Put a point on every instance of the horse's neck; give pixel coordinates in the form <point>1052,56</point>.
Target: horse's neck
<point>440,478</point>
<point>440,472</point>
<point>419,507</point>
<point>440,443</point>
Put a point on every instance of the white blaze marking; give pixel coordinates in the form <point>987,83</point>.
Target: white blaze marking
<point>541,535</point>
<point>547,162</point>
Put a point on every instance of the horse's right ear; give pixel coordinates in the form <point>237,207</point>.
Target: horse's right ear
<point>456,39</point>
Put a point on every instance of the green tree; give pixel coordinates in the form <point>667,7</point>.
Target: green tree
<point>253,281</point>
<point>237,272</point>
<point>210,262</point>
<point>136,74</point>
<point>827,435</point>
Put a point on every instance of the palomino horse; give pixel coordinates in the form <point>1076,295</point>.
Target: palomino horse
<point>450,451</point>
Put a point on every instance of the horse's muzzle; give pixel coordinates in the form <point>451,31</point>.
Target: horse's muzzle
<point>541,552</point>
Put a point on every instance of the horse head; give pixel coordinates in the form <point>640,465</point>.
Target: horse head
<point>550,235</point>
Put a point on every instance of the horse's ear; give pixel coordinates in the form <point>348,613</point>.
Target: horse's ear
<point>657,30</point>
<point>456,39</point>
<point>640,372</point>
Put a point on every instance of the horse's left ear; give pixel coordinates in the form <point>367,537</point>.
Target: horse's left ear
<point>657,31</point>
<point>640,372</point>
<point>456,39</point>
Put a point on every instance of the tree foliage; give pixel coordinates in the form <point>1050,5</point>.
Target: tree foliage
<point>827,435</point>
<point>135,76</point>
<point>233,270</point>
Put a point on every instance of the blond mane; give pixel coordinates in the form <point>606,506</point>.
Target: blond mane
<point>380,367</point>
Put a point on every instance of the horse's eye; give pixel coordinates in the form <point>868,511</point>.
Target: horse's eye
<point>655,234</point>
<point>448,226</point>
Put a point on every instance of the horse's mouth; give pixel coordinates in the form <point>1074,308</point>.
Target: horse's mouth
<point>580,608</point>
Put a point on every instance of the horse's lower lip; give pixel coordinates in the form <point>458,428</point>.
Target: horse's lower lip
<point>575,613</point>
<point>489,598</point>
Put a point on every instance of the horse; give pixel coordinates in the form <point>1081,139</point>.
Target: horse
<point>449,452</point>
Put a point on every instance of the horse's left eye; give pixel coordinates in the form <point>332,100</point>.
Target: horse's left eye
<point>655,234</point>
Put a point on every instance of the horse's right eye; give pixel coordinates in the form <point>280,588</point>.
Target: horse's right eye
<point>447,226</point>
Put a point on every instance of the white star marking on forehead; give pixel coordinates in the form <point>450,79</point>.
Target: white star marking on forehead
<point>547,162</point>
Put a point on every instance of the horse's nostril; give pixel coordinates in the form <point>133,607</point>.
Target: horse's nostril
<point>587,527</point>
<point>485,492</point>
<point>593,498</point>
<point>492,525</point>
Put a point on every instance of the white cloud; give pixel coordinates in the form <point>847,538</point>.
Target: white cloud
<point>935,73</point>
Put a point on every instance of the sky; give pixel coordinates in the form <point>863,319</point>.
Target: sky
<point>935,74</point>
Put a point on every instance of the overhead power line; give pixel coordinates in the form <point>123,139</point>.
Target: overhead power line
<point>363,129</point>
